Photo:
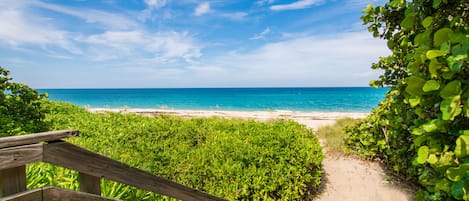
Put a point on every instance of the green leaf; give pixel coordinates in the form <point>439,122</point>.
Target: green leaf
<point>436,3</point>
<point>462,146</point>
<point>451,89</point>
<point>455,173</point>
<point>432,159</point>
<point>450,108</point>
<point>431,85</point>
<point>441,36</point>
<point>417,131</point>
<point>408,22</point>
<point>414,85</point>
<point>435,53</point>
<point>459,189</point>
<point>457,37</point>
<point>422,154</point>
<point>431,126</point>
<point>434,67</point>
<point>414,101</point>
<point>443,185</point>
<point>427,21</point>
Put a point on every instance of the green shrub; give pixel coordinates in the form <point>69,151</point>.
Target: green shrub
<point>333,135</point>
<point>235,159</point>
<point>20,108</point>
<point>421,130</point>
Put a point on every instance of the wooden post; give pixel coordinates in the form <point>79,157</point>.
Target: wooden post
<point>89,183</point>
<point>12,180</point>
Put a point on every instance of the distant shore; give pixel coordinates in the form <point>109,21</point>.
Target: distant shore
<point>311,119</point>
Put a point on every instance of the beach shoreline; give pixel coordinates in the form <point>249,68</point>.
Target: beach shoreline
<point>311,119</point>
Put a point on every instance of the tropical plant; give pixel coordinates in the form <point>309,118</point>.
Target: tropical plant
<point>421,130</point>
<point>20,107</point>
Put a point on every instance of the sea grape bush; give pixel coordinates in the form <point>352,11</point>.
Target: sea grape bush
<point>20,107</point>
<point>421,129</point>
<point>234,159</point>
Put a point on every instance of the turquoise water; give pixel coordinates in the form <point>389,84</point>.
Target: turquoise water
<point>337,99</point>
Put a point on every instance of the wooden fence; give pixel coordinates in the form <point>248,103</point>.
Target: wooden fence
<point>17,151</point>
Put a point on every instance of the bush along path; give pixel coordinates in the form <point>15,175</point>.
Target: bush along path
<point>351,179</point>
<point>421,129</point>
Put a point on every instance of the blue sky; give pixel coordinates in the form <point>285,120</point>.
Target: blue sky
<point>187,43</point>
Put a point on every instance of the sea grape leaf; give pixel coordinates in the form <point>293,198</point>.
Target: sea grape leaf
<point>408,22</point>
<point>462,146</point>
<point>455,173</point>
<point>433,67</point>
<point>435,53</point>
<point>432,159</point>
<point>414,85</point>
<point>457,37</point>
<point>450,108</point>
<point>441,36</point>
<point>431,85</point>
<point>422,154</point>
<point>427,21</point>
<point>430,126</point>
<point>414,101</point>
<point>459,189</point>
<point>443,185</point>
<point>436,3</point>
<point>451,89</point>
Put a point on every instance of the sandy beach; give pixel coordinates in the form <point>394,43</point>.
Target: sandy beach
<point>311,119</point>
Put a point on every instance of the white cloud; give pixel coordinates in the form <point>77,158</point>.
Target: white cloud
<point>339,60</point>
<point>105,19</point>
<point>202,8</point>
<point>156,3</point>
<point>263,2</point>
<point>158,47</point>
<point>237,16</point>
<point>261,35</point>
<point>300,4</point>
<point>18,29</point>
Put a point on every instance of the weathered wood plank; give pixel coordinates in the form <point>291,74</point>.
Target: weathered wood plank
<point>60,194</point>
<point>31,195</point>
<point>89,183</point>
<point>20,155</point>
<point>12,180</point>
<point>36,138</point>
<point>73,157</point>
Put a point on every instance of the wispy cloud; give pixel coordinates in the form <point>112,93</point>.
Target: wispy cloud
<point>105,19</point>
<point>156,3</point>
<point>160,47</point>
<point>263,2</point>
<point>202,8</point>
<point>236,16</point>
<point>300,4</point>
<point>19,29</point>
<point>261,35</point>
<point>303,61</point>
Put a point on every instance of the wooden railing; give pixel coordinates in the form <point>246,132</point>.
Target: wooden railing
<point>17,151</point>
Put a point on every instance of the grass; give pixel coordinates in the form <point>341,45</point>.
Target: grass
<point>333,135</point>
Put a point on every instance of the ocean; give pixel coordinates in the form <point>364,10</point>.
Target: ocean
<point>333,99</point>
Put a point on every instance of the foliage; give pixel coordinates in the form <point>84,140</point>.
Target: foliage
<point>422,128</point>
<point>20,108</point>
<point>235,159</point>
<point>334,135</point>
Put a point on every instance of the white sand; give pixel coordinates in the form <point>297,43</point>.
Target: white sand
<point>347,179</point>
<point>312,119</point>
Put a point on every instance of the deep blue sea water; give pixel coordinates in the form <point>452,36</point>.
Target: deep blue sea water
<point>337,99</point>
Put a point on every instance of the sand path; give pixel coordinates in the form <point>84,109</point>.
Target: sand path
<point>347,179</point>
